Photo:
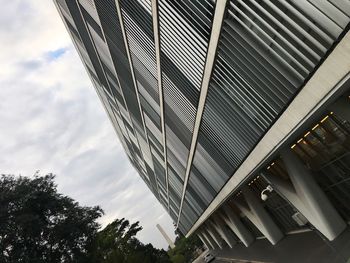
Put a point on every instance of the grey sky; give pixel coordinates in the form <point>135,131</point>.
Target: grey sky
<point>52,120</point>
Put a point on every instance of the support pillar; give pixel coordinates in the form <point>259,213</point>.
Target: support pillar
<point>204,241</point>
<point>236,225</point>
<point>220,227</point>
<point>306,195</point>
<point>210,240</point>
<point>257,214</point>
<point>216,237</point>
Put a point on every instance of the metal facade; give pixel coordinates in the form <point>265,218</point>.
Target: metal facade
<point>150,60</point>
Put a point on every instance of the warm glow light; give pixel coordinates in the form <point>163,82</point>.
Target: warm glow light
<point>299,140</point>
<point>306,134</point>
<point>272,164</point>
<point>325,118</point>
<point>331,112</point>
<point>293,146</point>
<point>315,126</point>
<point>258,176</point>
<point>268,167</point>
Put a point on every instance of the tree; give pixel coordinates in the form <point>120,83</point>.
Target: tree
<point>184,250</point>
<point>40,225</point>
<point>117,242</point>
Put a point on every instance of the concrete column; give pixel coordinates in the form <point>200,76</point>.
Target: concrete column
<point>210,240</point>
<point>257,214</point>
<point>220,227</point>
<point>341,108</point>
<point>236,225</point>
<point>204,241</point>
<point>165,235</point>
<point>216,237</point>
<point>307,196</point>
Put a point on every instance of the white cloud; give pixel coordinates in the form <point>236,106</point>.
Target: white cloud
<point>52,120</point>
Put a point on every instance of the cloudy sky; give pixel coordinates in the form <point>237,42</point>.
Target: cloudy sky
<point>52,120</point>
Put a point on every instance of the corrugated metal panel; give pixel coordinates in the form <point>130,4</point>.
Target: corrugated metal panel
<point>266,51</point>
<point>184,35</point>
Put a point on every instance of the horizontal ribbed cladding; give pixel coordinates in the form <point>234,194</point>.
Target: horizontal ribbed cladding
<point>181,90</point>
<point>175,197</point>
<point>138,28</point>
<point>200,14</point>
<point>196,203</point>
<point>135,130</point>
<point>138,25</point>
<point>181,227</point>
<point>89,7</point>
<point>179,118</point>
<point>263,59</point>
<point>174,204</point>
<point>267,49</point>
<point>67,18</point>
<point>188,216</point>
<point>69,22</point>
<point>175,189</point>
<point>184,34</point>
<point>110,22</point>
<point>150,173</point>
<point>143,153</point>
<point>102,91</point>
<point>113,115</point>
<point>172,214</point>
<point>86,48</point>
<point>72,28</point>
<point>84,36</point>
<point>64,8</point>
<point>175,183</point>
<point>163,195</point>
<point>180,42</point>
<point>115,88</point>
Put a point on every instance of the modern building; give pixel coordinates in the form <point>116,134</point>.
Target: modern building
<point>215,100</point>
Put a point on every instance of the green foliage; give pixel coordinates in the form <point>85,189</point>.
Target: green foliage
<point>178,259</point>
<point>40,225</point>
<point>117,243</point>
<point>184,249</point>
